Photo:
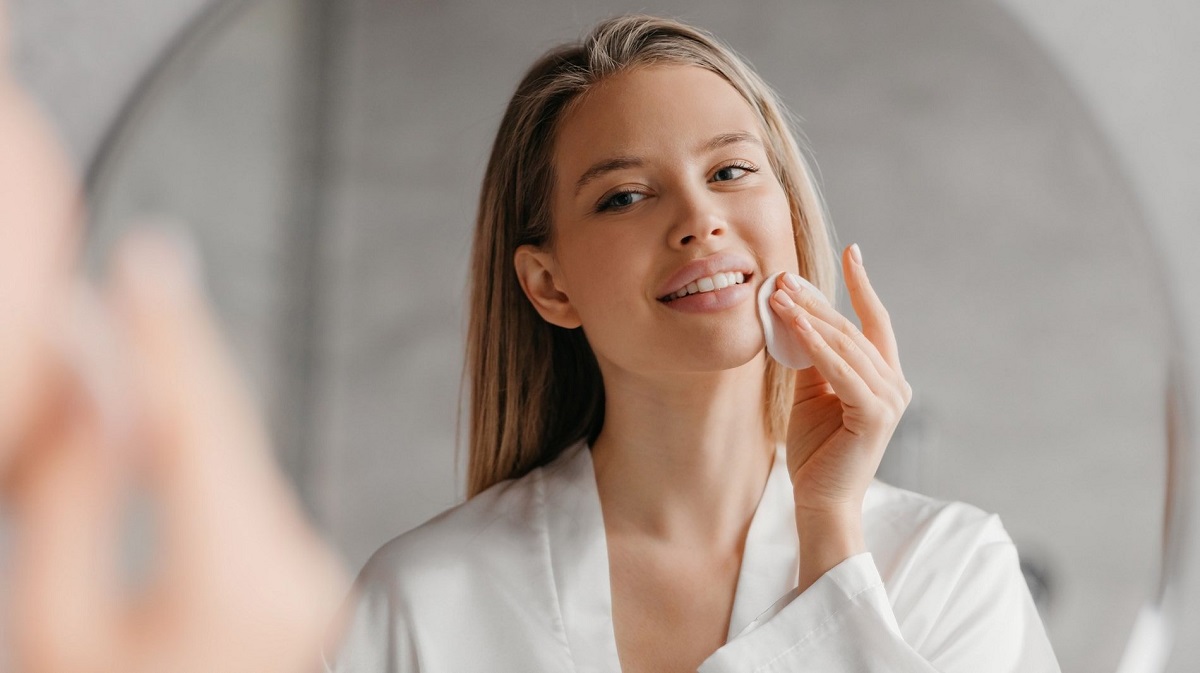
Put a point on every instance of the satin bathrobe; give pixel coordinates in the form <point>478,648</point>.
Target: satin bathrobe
<point>516,579</point>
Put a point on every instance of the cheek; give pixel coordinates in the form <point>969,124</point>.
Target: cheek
<point>605,274</point>
<point>774,238</point>
<point>768,213</point>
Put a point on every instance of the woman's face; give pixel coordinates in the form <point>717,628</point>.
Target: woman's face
<point>656,168</point>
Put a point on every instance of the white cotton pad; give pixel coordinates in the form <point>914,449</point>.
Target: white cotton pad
<point>782,342</point>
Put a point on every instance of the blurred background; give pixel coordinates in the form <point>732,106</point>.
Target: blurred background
<point>1019,175</point>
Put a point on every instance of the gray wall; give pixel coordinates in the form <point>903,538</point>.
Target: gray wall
<point>82,58</point>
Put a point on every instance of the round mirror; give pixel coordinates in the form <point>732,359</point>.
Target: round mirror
<point>327,156</point>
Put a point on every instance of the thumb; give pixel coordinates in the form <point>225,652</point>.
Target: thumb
<point>40,209</point>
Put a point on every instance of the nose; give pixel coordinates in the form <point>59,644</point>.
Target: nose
<point>696,218</point>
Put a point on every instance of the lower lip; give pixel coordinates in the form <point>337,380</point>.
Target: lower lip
<point>714,300</point>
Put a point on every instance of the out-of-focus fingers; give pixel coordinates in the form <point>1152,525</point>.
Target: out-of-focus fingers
<point>64,490</point>
<point>230,521</point>
<point>199,424</point>
<point>64,502</point>
<point>40,209</point>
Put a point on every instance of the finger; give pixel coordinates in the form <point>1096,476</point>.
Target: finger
<point>52,484</point>
<point>818,306</point>
<point>206,445</point>
<point>64,499</point>
<point>39,213</point>
<point>230,519</point>
<point>847,348</point>
<point>846,382</point>
<point>877,324</point>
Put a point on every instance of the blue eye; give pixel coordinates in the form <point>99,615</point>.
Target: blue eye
<point>736,166</point>
<point>622,200</point>
<point>617,201</point>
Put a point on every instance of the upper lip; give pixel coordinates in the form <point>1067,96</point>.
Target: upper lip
<point>700,268</point>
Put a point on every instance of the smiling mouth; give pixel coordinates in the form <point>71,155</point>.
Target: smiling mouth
<point>703,287</point>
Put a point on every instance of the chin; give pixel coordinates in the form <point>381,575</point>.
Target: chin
<point>715,355</point>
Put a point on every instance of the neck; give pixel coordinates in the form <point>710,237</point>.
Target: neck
<point>683,458</point>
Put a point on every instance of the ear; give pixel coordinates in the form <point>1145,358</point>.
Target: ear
<point>537,271</point>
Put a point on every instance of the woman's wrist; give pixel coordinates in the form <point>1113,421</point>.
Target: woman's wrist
<point>826,539</point>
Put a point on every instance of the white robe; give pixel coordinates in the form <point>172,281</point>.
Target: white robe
<point>516,579</point>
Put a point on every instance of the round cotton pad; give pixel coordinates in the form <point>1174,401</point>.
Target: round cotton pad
<point>782,343</point>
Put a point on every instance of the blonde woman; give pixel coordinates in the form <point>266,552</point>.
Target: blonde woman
<point>649,490</point>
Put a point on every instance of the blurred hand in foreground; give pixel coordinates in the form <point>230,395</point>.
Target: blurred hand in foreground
<point>102,391</point>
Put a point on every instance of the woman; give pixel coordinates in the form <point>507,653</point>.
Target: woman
<point>649,490</point>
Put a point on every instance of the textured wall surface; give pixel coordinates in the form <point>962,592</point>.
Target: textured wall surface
<point>416,166</point>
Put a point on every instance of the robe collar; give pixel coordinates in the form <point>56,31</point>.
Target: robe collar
<point>579,555</point>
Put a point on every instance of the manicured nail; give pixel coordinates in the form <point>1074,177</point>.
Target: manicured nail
<point>803,323</point>
<point>789,279</point>
<point>856,254</point>
<point>783,298</point>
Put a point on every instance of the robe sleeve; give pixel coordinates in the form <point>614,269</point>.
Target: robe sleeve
<point>373,638</point>
<point>844,622</point>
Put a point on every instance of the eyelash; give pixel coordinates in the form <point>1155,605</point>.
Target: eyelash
<point>604,204</point>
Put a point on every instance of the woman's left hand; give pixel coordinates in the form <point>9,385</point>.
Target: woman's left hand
<point>848,404</point>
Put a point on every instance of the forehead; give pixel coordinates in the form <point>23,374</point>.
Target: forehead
<point>666,108</point>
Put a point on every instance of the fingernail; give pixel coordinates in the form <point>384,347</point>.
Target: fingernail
<point>783,298</point>
<point>803,322</point>
<point>789,279</point>
<point>161,259</point>
<point>856,254</point>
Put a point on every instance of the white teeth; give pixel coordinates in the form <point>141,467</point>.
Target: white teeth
<point>714,282</point>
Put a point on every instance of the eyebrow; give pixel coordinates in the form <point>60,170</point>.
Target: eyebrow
<point>622,162</point>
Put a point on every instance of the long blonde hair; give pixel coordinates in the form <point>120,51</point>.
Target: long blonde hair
<point>536,387</point>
